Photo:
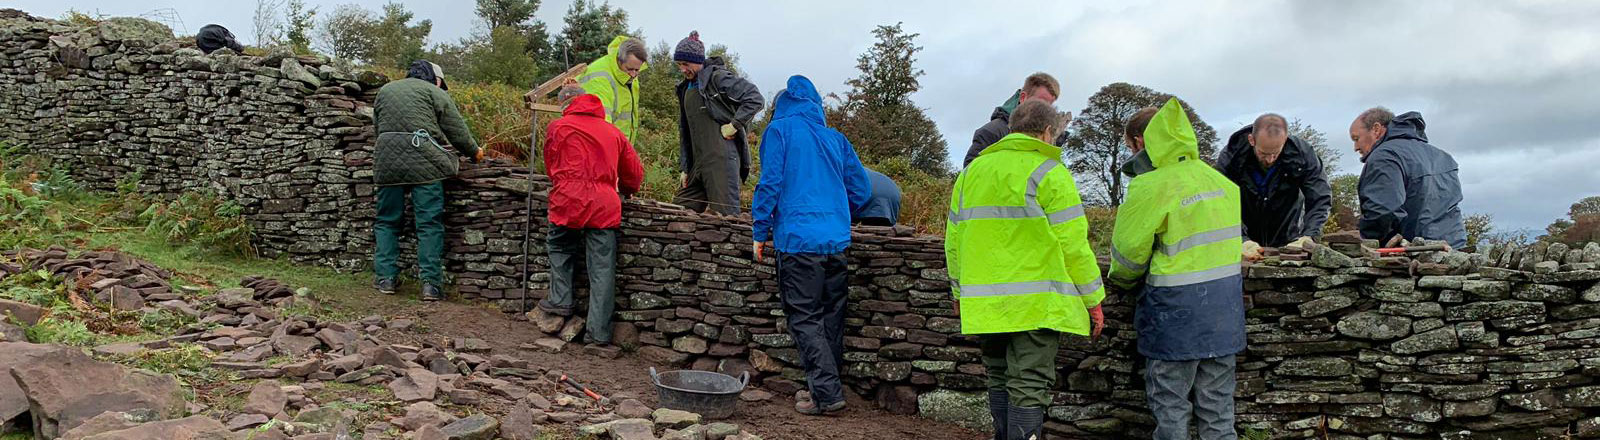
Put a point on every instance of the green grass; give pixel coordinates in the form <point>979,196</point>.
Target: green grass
<point>17,436</point>
<point>223,271</point>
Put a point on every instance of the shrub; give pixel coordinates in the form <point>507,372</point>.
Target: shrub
<point>184,358</point>
<point>201,219</point>
<point>54,330</point>
<point>164,321</point>
<point>497,116</point>
<point>924,198</point>
<point>21,208</point>
<point>36,287</point>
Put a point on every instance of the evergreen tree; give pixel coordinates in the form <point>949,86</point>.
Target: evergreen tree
<point>589,29</point>
<point>878,115</point>
<point>394,40</point>
<point>1095,150</point>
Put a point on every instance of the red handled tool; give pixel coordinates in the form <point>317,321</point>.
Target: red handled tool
<point>1413,249</point>
<point>574,384</point>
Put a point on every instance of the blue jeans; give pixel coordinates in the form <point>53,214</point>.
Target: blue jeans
<point>1168,386</point>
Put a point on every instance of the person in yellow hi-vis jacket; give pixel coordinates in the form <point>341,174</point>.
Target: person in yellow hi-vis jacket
<point>614,77</point>
<point>1177,242</point>
<point>1017,251</point>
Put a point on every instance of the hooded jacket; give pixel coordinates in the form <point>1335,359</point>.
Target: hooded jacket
<point>1178,234</point>
<point>1296,197</point>
<point>618,92</point>
<point>999,126</point>
<point>729,99</point>
<point>1410,188</point>
<point>589,162</point>
<point>403,111</point>
<point>1016,242</point>
<point>811,179</point>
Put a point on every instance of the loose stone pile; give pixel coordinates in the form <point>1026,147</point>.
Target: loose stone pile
<point>247,331</point>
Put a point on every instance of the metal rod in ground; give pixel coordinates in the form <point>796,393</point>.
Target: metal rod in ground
<point>527,215</point>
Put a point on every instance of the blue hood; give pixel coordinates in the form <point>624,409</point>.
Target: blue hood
<point>811,179</point>
<point>799,99</point>
<point>1408,125</point>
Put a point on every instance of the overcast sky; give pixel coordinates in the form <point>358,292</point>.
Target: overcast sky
<point>1508,87</point>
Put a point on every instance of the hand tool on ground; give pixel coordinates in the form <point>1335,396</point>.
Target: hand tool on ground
<point>592,395</point>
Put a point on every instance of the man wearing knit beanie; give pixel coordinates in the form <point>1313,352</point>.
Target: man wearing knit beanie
<point>715,106</point>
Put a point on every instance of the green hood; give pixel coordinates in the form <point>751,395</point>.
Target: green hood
<point>1170,138</point>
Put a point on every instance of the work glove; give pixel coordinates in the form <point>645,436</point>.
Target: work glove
<point>757,248</point>
<point>728,131</point>
<point>1300,243</point>
<point>1097,320</point>
<point>1252,251</point>
<point>478,157</point>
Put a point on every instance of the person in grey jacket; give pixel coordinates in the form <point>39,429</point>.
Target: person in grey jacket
<point>1037,86</point>
<point>715,107</point>
<point>1408,187</point>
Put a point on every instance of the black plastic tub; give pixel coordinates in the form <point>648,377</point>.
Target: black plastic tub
<point>712,395</point>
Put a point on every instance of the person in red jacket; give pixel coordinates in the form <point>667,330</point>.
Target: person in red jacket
<point>589,162</point>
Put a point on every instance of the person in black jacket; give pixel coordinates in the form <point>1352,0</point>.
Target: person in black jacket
<point>214,36</point>
<point>1283,189</point>
<point>715,107</point>
<point>1039,85</point>
<point>1409,188</point>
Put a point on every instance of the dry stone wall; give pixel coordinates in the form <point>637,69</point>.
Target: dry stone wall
<point>1344,344</point>
<point>289,138</point>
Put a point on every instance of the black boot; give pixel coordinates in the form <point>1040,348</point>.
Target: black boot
<point>999,400</point>
<point>1024,423</point>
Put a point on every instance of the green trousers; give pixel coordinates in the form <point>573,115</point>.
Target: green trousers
<point>427,209</point>
<point>1023,364</point>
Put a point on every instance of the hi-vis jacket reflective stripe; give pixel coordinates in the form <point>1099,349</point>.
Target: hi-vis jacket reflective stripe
<point>618,93</point>
<point>1016,242</point>
<point>1178,230</point>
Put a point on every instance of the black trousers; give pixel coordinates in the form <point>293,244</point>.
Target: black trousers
<point>813,289</point>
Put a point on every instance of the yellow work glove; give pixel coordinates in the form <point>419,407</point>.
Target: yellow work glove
<point>1252,251</point>
<point>1300,243</point>
<point>728,131</point>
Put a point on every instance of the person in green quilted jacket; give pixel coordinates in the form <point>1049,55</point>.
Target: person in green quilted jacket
<point>417,124</point>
